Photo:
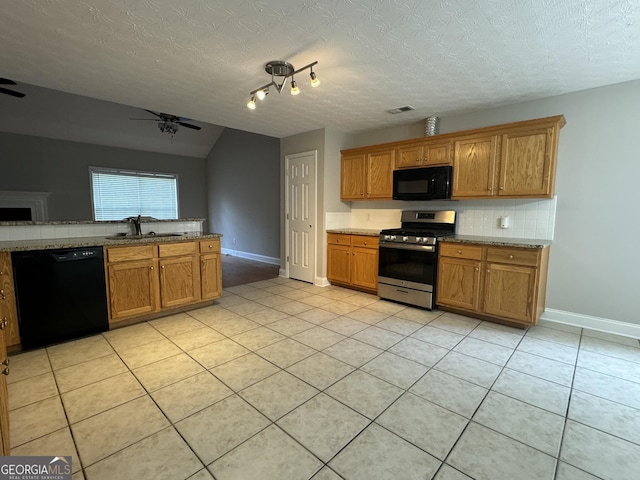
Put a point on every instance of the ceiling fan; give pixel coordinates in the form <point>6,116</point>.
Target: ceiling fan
<point>6,91</point>
<point>169,123</point>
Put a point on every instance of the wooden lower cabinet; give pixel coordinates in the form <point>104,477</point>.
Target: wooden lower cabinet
<point>8,310</point>
<point>179,274</point>
<point>352,261</point>
<point>210,269</point>
<point>146,279</point>
<point>502,283</point>
<point>133,288</point>
<point>4,394</point>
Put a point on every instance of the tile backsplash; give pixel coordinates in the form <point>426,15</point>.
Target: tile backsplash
<point>532,219</point>
<point>91,229</point>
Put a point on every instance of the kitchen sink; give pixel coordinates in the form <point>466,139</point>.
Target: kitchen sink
<point>143,236</point>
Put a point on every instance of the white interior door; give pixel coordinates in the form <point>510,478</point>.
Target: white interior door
<point>301,215</point>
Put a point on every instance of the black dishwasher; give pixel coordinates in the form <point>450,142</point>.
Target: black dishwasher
<point>60,294</point>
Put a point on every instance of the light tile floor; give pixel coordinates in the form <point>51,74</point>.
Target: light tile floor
<point>283,380</point>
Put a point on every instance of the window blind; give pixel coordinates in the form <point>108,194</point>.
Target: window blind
<point>118,194</point>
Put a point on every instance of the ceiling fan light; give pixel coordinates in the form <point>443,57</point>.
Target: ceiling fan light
<point>251,104</point>
<point>294,88</point>
<point>315,81</point>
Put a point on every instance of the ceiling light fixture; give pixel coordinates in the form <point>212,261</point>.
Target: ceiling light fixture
<point>280,71</point>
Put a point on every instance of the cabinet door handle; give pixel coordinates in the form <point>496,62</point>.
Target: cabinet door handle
<point>210,246</point>
<point>459,252</point>
<point>5,371</point>
<point>510,257</point>
<point>488,271</point>
<point>162,267</point>
<point>5,362</point>
<point>501,187</point>
<point>3,323</point>
<point>365,243</point>
<point>150,268</point>
<point>477,269</point>
<point>2,295</point>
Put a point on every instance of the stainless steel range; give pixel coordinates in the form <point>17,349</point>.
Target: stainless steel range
<point>408,256</point>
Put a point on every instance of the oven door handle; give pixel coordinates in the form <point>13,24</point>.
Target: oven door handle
<point>401,246</point>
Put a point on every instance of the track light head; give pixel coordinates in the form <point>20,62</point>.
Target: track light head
<point>251,104</point>
<point>260,94</point>
<point>294,88</point>
<point>315,81</point>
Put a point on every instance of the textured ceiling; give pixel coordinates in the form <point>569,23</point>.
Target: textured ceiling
<point>201,58</point>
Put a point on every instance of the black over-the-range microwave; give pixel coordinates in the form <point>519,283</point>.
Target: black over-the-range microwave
<point>426,183</point>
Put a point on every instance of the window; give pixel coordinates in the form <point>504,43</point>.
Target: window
<point>118,194</point>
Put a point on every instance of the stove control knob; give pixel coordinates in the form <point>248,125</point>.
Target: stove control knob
<point>387,237</point>
<point>419,239</point>
<point>405,238</point>
<point>392,238</point>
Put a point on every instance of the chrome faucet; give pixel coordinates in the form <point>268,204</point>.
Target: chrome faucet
<point>136,224</point>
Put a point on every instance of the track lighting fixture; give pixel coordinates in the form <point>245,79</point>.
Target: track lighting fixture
<point>280,71</point>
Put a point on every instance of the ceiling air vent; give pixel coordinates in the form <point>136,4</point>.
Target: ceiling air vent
<point>406,108</point>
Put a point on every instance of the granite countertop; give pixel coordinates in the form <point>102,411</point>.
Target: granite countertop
<point>498,241</point>
<point>54,243</point>
<point>82,222</point>
<point>369,232</point>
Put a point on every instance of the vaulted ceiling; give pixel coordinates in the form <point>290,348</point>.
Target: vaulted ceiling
<point>201,58</point>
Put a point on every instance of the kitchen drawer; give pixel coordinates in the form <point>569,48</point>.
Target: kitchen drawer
<point>339,238</point>
<point>175,249</point>
<point>126,254</point>
<point>461,251</point>
<point>212,245</point>
<point>364,241</point>
<point>513,256</point>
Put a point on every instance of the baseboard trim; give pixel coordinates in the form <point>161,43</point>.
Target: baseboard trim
<point>594,323</point>
<point>283,273</point>
<point>321,282</point>
<point>251,256</point>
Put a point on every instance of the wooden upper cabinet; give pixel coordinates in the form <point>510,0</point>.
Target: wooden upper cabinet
<point>352,177</point>
<point>409,156</point>
<point>437,152</point>
<point>379,173</point>
<point>526,163</point>
<point>367,175</point>
<point>517,160</point>
<point>474,166</point>
<point>514,160</point>
<point>425,153</point>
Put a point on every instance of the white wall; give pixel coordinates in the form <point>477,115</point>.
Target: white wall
<point>594,264</point>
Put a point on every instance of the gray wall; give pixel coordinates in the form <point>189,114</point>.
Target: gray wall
<point>594,260</point>
<point>243,184</point>
<point>29,163</point>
